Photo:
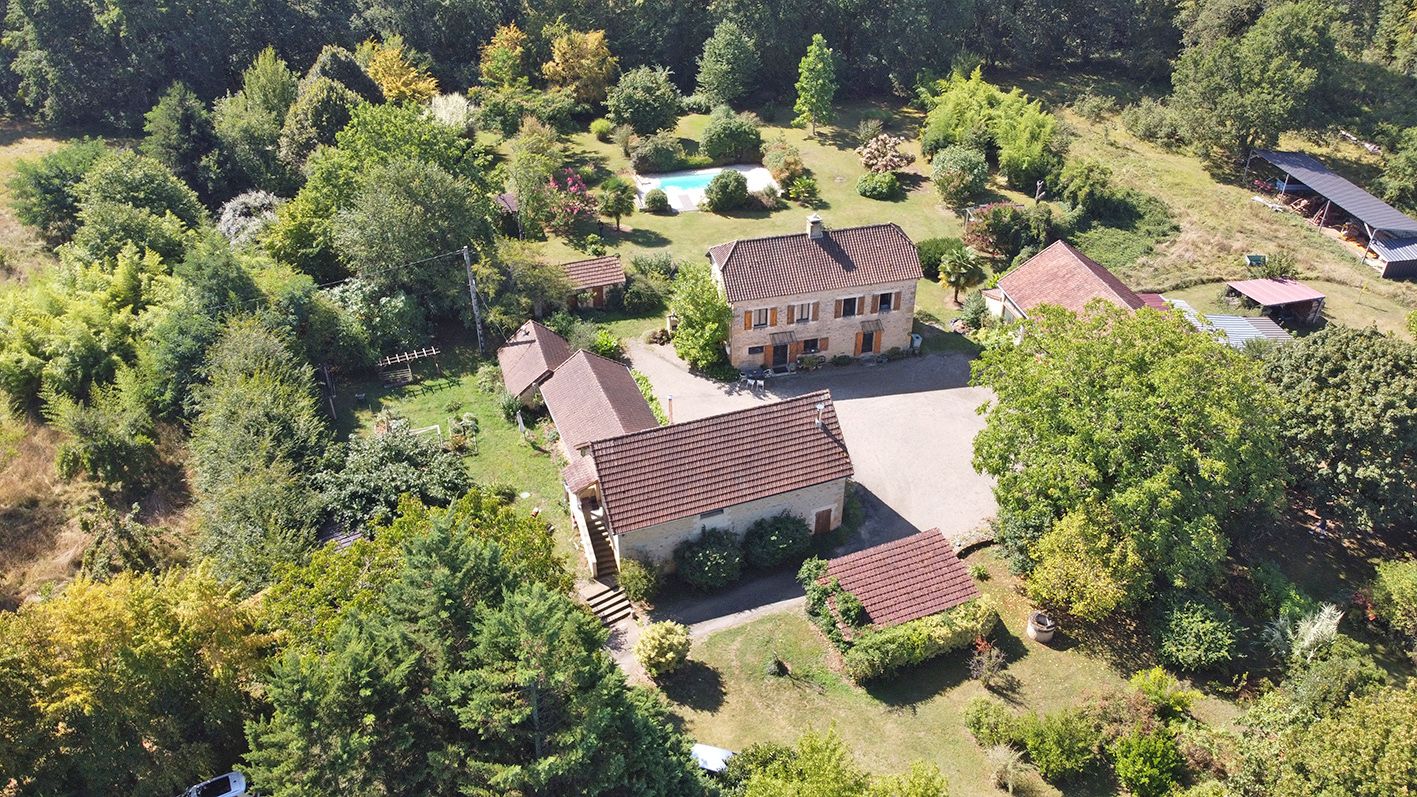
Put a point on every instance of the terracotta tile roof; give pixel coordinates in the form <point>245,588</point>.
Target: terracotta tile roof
<point>1155,301</point>
<point>594,273</point>
<point>579,474</point>
<point>686,469</point>
<point>529,355</point>
<point>788,265</point>
<point>907,579</point>
<point>1061,275</point>
<point>591,398</point>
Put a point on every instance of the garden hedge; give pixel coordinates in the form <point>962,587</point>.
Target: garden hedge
<point>883,651</point>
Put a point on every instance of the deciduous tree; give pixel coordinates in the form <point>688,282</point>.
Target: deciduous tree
<point>703,316</point>
<point>645,99</point>
<point>581,61</point>
<point>816,85</point>
<point>1349,422</point>
<point>1175,434</point>
<point>728,64</point>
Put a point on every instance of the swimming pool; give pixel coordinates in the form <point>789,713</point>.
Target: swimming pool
<point>685,190</point>
<point>688,182</point>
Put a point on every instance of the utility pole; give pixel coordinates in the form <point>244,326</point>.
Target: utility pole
<point>472,292</point>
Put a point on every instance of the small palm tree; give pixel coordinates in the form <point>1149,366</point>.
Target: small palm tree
<point>961,269</point>
<point>617,198</point>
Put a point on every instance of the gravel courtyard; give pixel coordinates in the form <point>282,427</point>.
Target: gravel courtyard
<point>909,426</point>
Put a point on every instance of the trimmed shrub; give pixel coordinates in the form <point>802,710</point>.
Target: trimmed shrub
<point>772,541</point>
<point>728,190</point>
<point>876,653</point>
<point>1147,763</point>
<point>662,648</point>
<point>1061,745</point>
<point>1196,634</point>
<point>661,152</point>
<point>878,185</point>
<point>602,129</point>
<point>731,137</point>
<point>656,201</point>
<point>932,251</point>
<point>960,174</point>
<point>990,721</point>
<point>1395,595</point>
<point>711,562</point>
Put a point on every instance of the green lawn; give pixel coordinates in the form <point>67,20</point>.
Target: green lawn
<point>726,697</point>
<point>832,161</point>
<point>446,388</point>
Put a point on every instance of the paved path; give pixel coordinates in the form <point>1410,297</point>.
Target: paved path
<point>909,426</point>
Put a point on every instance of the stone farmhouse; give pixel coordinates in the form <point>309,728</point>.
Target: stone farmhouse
<point>820,292</point>
<point>638,489</point>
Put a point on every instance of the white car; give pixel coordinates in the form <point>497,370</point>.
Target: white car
<point>232,784</point>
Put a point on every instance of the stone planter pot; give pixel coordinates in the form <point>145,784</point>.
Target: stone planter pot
<point>1041,627</point>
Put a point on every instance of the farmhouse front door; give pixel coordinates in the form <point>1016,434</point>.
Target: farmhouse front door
<point>823,521</point>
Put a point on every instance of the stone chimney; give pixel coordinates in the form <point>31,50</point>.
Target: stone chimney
<point>814,226</point>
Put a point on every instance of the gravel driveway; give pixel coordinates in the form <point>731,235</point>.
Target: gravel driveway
<point>909,426</point>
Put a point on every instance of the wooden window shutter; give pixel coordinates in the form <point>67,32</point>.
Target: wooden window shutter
<point>875,303</point>
<point>857,351</point>
<point>823,345</point>
<point>790,309</point>
<point>815,305</point>
<point>767,355</point>
<point>895,301</point>
<point>876,343</point>
<point>748,320</point>
<point>837,313</point>
<point>772,317</point>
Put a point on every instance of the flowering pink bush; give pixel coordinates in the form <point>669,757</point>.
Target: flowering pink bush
<point>570,203</point>
<point>882,154</point>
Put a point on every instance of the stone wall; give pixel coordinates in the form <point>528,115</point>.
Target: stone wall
<point>656,543</point>
<point>840,333</point>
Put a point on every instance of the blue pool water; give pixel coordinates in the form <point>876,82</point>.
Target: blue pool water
<point>686,182</point>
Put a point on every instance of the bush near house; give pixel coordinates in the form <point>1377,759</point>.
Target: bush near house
<point>662,648</point>
<point>879,652</point>
<point>1196,634</point>
<point>878,185</point>
<point>639,580</point>
<point>728,190</point>
<point>772,541</point>
<point>656,201</point>
<point>711,562</point>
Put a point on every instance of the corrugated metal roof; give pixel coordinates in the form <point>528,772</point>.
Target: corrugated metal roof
<point>1396,250</point>
<point>1364,206</point>
<point>1233,330</point>
<point>1273,292</point>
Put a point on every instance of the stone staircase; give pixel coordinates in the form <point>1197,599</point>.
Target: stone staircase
<point>606,568</point>
<point>610,605</point>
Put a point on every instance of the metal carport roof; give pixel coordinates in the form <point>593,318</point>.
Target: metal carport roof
<point>1359,203</point>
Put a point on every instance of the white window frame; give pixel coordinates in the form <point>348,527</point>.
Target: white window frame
<point>757,314</point>
<point>887,301</point>
<point>803,313</point>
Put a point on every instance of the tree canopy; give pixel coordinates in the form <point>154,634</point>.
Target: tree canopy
<point>1172,433</point>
